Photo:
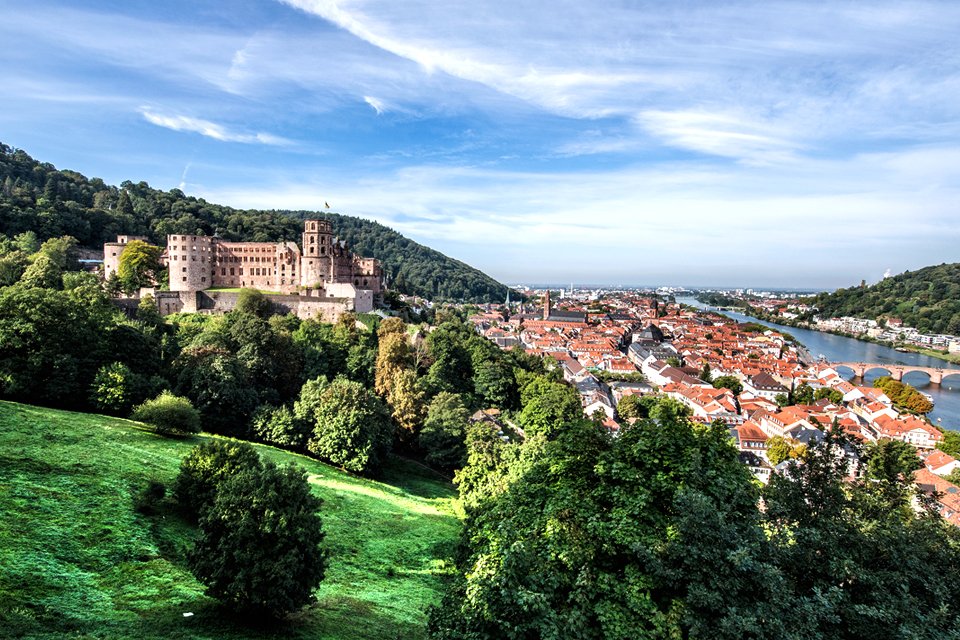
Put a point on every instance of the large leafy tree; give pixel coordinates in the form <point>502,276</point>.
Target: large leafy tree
<point>443,437</point>
<point>52,343</point>
<point>218,385</point>
<point>260,541</point>
<point>139,266</point>
<point>350,425</point>
<point>653,534</point>
<point>853,555</point>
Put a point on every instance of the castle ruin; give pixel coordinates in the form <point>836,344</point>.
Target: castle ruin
<point>323,279</point>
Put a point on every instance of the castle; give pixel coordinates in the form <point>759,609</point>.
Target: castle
<point>324,278</point>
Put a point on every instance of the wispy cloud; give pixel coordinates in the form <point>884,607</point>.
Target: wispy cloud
<point>209,129</point>
<point>377,105</point>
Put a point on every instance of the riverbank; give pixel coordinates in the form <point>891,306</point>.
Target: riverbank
<point>840,348</point>
<point>748,310</point>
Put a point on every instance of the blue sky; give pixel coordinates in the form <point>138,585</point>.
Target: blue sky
<point>806,144</point>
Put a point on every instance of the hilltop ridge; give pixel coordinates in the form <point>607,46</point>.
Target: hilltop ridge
<point>36,196</point>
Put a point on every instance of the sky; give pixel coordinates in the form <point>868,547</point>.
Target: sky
<point>710,143</point>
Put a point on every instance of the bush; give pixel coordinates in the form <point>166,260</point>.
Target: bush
<point>148,498</point>
<point>259,548</point>
<point>206,467</point>
<point>280,427</point>
<point>169,415</point>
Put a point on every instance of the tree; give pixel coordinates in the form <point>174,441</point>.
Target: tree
<point>139,265</point>
<point>52,344</point>
<point>280,427</point>
<point>114,389</point>
<point>443,436</point>
<point>950,444</point>
<point>260,541</point>
<point>206,467</point>
<point>169,415</point>
<point>782,400</point>
<point>393,356</point>
<point>891,464</point>
<point>406,403</point>
<point>732,383</point>
<point>253,302</point>
<point>833,395</point>
<point>705,373</point>
<point>43,273</point>
<point>803,394</point>
<point>852,556</point>
<point>351,426</point>
<point>630,408</point>
<point>780,449</point>
<point>653,534</point>
<point>217,384</point>
<point>548,406</point>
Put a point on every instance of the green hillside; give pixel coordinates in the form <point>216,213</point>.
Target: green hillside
<point>77,559</point>
<point>35,196</point>
<point>928,299</point>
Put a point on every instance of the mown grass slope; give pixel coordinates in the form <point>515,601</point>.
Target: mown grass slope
<point>78,559</point>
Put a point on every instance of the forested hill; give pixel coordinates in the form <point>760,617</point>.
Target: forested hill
<point>35,196</point>
<point>928,299</point>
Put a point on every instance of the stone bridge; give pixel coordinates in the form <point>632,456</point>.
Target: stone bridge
<point>897,371</point>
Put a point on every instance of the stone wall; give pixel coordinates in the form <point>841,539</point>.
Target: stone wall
<point>327,309</point>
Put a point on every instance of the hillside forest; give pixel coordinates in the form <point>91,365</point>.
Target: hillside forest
<point>37,197</point>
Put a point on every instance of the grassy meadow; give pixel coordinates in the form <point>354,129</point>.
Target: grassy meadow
<point>79,560</point>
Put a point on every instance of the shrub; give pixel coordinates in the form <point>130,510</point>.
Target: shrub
<point>148,498</point>
<point>206,467</point>
<point>280,427</point>
<point>169,415</point>
<point>259,548</point>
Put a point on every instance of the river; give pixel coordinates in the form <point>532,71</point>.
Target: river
<point>946,397</point>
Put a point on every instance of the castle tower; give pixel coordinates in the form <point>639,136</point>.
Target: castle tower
<point>190,262</point>
<point>546,305</point>
<point>317,247</point>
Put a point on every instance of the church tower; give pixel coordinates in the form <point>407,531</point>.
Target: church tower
<point>546,305</point>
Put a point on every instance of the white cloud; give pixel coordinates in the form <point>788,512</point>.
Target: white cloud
<point>376,104</point>
<point>209,129</point>
<point>827,222</point>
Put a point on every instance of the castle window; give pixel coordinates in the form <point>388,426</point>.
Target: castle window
<point>193,258</point>
<point>231,271</point>
<point>313,239</point>
<point>184,278</point>
<point>323,251</point>
<point>184,269</point>
<point>310,250</point>
<point>223,272</point>
<point>203,279</point>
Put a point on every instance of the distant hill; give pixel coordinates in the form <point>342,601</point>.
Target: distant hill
<point>928,299</point>
<point>36,196</point>
<point>79,559</point>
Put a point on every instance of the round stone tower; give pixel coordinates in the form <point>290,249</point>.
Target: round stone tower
<point>315,259</point>
<point>190,261</point>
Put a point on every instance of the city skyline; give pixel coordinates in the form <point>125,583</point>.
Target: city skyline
<point>787,144</point>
